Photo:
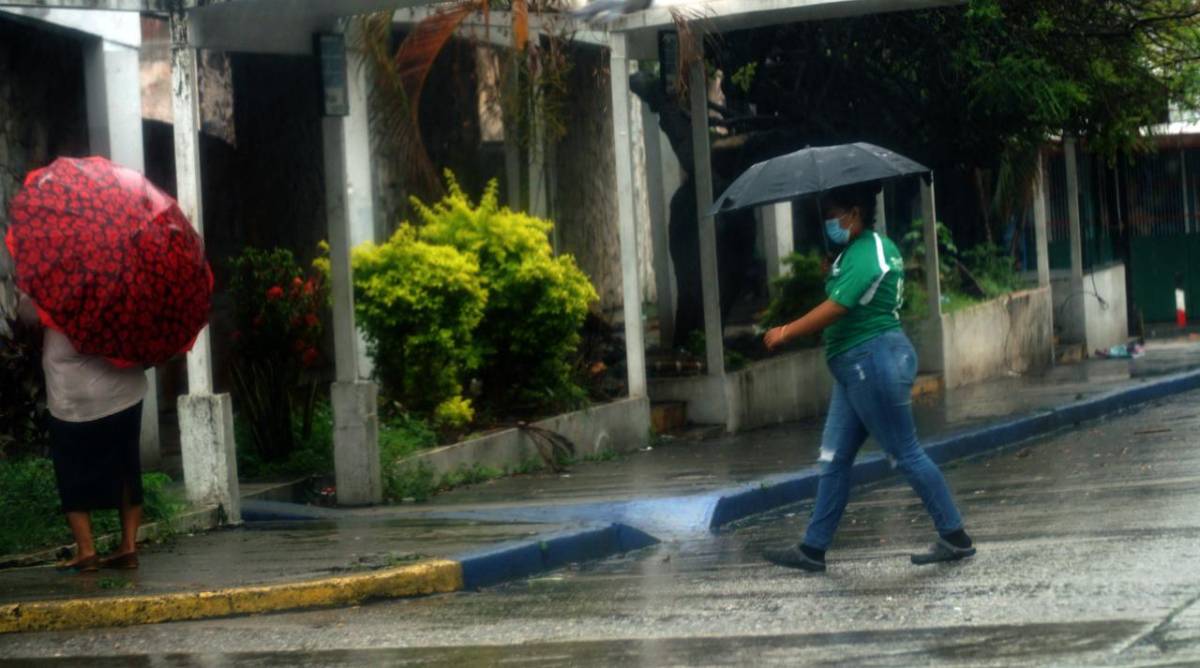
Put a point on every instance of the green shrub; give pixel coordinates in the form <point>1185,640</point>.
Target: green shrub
<point>419,304</point>
<point>31,517</point>
<point>313,454</point>
<point>400,437</point>
<point>277,314</point>
<point>993,269</point>
<point>913,247</point>
<point>797,293</point>
<point>536,302</point>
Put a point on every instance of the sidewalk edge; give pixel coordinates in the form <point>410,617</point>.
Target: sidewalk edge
<point>427,577</point>
<point>770,493</point>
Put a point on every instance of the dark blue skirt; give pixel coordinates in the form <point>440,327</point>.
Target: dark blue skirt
<point>96,462</point>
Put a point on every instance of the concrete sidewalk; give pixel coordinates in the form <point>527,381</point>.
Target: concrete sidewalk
<point>519,526</point>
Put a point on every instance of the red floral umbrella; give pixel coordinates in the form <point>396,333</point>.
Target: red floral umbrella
<point>110,260</point>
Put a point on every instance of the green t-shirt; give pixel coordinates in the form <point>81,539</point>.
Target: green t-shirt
<point>868,279</point>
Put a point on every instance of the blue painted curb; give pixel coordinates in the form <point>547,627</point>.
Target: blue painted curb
<point>521,559</point>
<point>741,502</point>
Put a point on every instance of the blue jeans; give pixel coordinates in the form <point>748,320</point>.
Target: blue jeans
<point>872,394</point>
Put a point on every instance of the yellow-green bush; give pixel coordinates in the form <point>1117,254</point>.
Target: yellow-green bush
<point>419,304</point>
<point>536,302</point>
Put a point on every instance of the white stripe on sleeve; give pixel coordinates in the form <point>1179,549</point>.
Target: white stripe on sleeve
<point>883,267</point>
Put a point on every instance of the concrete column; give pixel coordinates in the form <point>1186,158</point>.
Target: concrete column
<point>356,428</point>
<point>659,217</point>
<point>538,194</point>
<point>205,419</point>
<point>776,232</point>
<point>1041,237</point>
<point>710,286</point>
<point>1073,214</point>
<point>631,289</point>
<point>512,144</point>
<point>881,214</point>
<point>360,190</point>
<point>933,279</point>
<point>114,110</point>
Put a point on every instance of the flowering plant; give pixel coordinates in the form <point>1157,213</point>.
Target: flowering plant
<point>277,315</point>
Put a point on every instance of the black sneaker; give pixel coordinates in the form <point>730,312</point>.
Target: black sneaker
<point>941,551</point>
<point>792,557</point>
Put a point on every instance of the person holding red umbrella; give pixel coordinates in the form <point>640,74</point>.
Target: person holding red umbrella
<point>95,425</point>
<point>115,273</point>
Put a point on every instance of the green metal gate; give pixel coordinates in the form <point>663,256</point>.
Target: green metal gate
<point>1162,190</point>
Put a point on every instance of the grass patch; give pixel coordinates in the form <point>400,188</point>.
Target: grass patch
<point>32,519</point>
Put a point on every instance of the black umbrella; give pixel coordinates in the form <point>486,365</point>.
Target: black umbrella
<point>812,170</point>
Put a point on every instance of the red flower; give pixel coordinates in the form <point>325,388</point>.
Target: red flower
<point>309,287</point>
<point>296,282</point>
<point>312,320</point>
<point>274,292</point>
<point>310,357</point>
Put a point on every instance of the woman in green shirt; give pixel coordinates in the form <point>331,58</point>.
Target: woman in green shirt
<point>873,366</point>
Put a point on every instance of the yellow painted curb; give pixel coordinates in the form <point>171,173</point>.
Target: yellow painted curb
<point>426,577</point>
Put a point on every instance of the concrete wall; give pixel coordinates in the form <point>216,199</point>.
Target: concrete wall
<point>620,426</point>
<point>780,389</point>
<point>1099,324</point>
<point>1010,334</point>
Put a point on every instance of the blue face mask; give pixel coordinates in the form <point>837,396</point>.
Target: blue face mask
<point>836,233</point>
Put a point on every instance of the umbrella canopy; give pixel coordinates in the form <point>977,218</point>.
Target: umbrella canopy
<point>110,261</point>
<point>810,171</point>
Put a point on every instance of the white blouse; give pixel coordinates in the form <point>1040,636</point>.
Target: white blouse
<point>82,388</point>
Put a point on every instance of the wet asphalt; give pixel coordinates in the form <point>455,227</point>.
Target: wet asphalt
<point>1089,554</point>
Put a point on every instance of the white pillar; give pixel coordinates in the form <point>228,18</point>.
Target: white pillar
<point>512,144</point>
<point>933,279</point>
<point>114,111</point>
<point>360,190</point>
<point>709,283</point>
<point>355,419</point>
<point>538,194</point>
<point>631,289</point>
<point>775,226</point>
<point>1073,214</point>
<point>1041,238</point>
<point>205,419</point>
<point>659,216</point>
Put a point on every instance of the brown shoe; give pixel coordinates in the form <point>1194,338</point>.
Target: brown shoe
<point>86,565</point>
<point>120,562</point>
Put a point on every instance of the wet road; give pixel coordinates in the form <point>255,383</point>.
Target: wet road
<point>1089,555</point>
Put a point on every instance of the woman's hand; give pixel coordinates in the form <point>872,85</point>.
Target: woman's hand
<point>775,337</point>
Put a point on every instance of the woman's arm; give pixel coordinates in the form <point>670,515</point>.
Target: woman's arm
<point>824,315</point>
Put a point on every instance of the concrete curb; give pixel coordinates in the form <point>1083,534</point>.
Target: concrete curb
<point>741,502</point>
<point>518,560</point>
<point>427,577</point>
<point>508,561</point>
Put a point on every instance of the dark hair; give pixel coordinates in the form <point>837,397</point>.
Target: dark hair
<point>861,195</point>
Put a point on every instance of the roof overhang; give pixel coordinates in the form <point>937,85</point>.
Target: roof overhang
<point>286,26</point>
<point>642,28</point>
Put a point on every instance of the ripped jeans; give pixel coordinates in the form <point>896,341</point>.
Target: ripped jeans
<point>872,394</point>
